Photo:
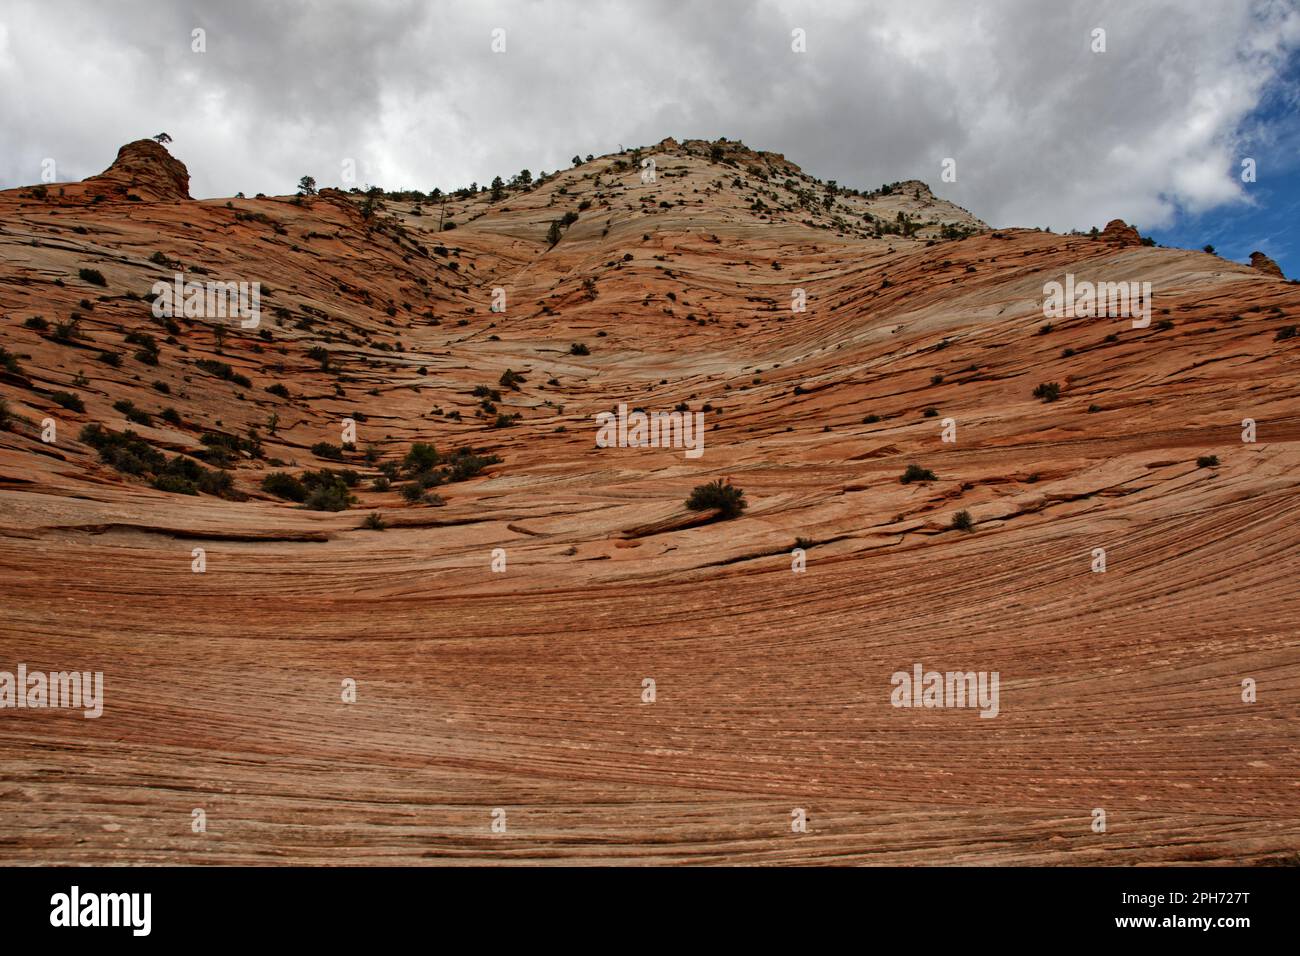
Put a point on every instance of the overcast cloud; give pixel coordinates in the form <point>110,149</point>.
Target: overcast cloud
<point>1045,132</point>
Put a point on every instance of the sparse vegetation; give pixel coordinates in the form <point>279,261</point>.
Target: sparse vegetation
<point>131,455</point>
<point>69,401</point>
<point>1048,391</point>
<point>1207,461</point>
<point>93,276</point>
<point>284,485</point>
<point>727,498</point>
<point>962,521</point>
<point>917,473</point>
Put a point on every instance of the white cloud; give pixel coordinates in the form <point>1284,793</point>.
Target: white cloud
<point>1045,132</point>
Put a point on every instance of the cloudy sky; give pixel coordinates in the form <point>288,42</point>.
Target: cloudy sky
<point>1045,130</point>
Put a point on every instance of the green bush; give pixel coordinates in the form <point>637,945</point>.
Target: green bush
<point>917,473</point>
<point>323,449</point>
<point>284,485</point>
<point>1048,391</point>
<point>69,401</point>
<point>728,499</point>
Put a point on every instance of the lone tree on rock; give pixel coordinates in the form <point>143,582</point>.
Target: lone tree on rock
<point>307,186</point>
<point>162,139</point>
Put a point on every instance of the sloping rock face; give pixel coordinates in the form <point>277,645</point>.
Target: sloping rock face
<point>1265,265</point>
<point>501,640</point>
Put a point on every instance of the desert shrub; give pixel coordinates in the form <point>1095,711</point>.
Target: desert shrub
<point>917,473</point>
<point>65,330</point>
<point>511,379</point>
<point>129,454</point>
<point>728,499</point>
<point>1284,333</point>
<point>9,361</point>
<point>328,490</point>
<point>323,449</point>
<point>381,484</point>
<point>577,348</point>
<point>374,522</point>
<point>278,389</point>
<point>133,414</point>
<point>93,276</point>
<point>223,370</point>
<point>36,322</point>
<point>284,485</point>
<point>1207,461</point>
<point>112,359</point>
<point>962,521</point>
<point>1048,391</point>
<point>69,401</point>
<point>421,457</point>
<point>171,416</point>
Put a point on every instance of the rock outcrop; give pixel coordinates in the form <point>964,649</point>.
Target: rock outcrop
<point>1120,233</point>
<point>1265,265</point>
<point>144,169</point>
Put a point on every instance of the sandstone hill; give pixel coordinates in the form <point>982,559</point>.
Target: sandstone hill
<point>523,689</point>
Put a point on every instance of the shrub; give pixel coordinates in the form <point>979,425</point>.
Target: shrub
<point>1048,391</point>
<point>328,498</point>
<point>278,389</point>
<point>374,522</point>
<point>917,473</point>
<point>421,457</point>
<point>36,322</point>
<point>93,276</point>
<point>962,521</point>
<point>728,499</point>
<point>1284,333</point>
<point>323,449</point>
<point>66,330</point>
<point>9,361</point>
<point>69,401</point>
<point>577,348</point>
<point>381,484</point>
<point>284,485</point>
<point>112,359</point>
<point>1207,461</point>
